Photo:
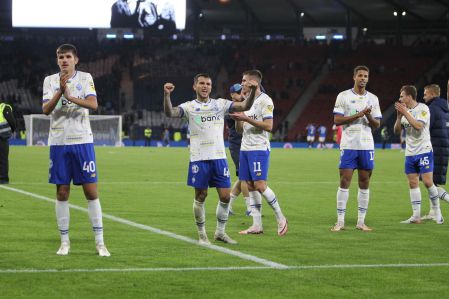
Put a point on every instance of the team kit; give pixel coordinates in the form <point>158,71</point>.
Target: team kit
<point>70,94</point>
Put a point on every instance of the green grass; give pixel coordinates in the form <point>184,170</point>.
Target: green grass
<point>147,186</point>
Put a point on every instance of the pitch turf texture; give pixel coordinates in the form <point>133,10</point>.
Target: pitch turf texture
<point>144,189</point>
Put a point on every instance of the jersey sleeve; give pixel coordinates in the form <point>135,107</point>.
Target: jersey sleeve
<point>225,104</point>
<point>339,107</point>
<point>47,91</point>
<point>184,110</point>
<point>424,115</point>
<point>89,88</point>
<point>267,109</point>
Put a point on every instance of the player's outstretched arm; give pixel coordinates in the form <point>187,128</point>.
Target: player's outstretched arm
<point>168,108</point>
<point>248,103</point>
<point>240,117</point>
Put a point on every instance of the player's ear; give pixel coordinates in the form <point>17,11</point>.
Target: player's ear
<point>76,60</point>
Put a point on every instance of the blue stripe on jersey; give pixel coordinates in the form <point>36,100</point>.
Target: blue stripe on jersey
<point>339,113</point>
<point>182,111</point>
<point>45,100</point>
<point>267,117</point>
<point>90,94</point>
<point>230,106</point>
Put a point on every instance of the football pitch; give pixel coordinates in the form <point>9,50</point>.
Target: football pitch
<point>150,232</point>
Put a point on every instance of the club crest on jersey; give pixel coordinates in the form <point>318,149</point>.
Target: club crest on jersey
<point>79,87</point>
<point>195,168</point>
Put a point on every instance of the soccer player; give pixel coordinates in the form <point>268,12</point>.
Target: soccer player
<point>359,112</point>
<point>235,141</point>
<point>310,134</point>
<point>255,154</point>
<point>67,98</point>
<point>208,166</point>
<point>322,136</point>
<point>439,137</point>
<point>415,118</point>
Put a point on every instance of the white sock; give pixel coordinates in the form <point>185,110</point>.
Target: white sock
<point>443,194</point>
<point>363,200</point>
<point>415,199</point>
<point>256,206</point>
<point>200,215</point>
<point>248,204</point>
<point>222,216</point>
<point>434,201</point>
<point>63,219</point>
<point>270,197</point>
<point>96,219</point>
<point>342,200</point>
<point>232,199</point>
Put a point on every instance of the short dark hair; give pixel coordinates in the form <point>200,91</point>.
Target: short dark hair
<point>360,68</point>
<point>67,48</point>
<point>409,90</point>
<point>254,73</point>
<point>195,79</point>
<point>433,88</point>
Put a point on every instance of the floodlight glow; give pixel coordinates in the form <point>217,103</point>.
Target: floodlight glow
<point>320,37</point>
<point>111,35</point>
<point>337,36</point>
<point>404,13</point>
<point>128,36</point>
<point>395,13</point>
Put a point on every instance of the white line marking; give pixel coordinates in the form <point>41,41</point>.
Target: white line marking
<point>161,232</point>
<point>311,267</point>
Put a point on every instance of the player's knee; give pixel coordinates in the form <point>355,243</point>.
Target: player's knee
<point>260,186</point>
<point>62,195</point>
<point>201,195</point>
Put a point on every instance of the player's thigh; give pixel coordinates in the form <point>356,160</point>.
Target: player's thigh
<point>348,159</point>
<point>84,163</point>
<point>224,194</point>
<point>198,174</point>
<point>427,179</point>
<point>90,191</point>
<point>60,168</point>
<point>220,177</point>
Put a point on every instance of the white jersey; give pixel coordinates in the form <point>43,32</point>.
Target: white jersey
<point>69,123</point>
<point>206,124</point>
<point>417,141</point>
<point>357,135</point>
<point>255,139</point>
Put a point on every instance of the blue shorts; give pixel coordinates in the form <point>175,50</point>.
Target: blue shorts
<point>235,155</point>
<point>72,162</point>
<point>209,173</point>
<point>356,159</point>
<point>422,163</point>
<point>254,165</point>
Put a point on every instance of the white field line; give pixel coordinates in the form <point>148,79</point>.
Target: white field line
<point>239,254</point>
<point>311,267</point>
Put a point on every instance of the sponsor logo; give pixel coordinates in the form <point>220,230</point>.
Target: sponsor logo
<point>208,118</point>
<point>253,117</point>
